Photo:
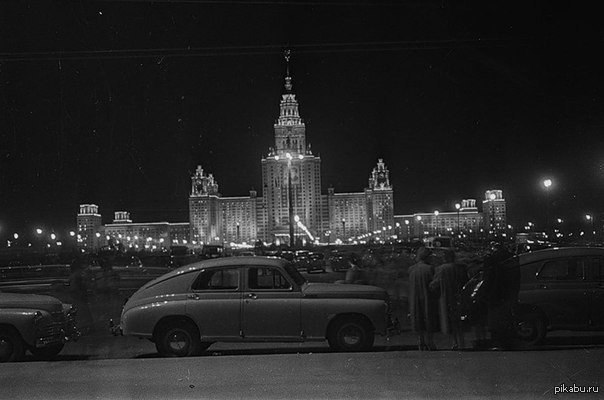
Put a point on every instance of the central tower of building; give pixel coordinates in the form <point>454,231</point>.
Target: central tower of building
<point>291,174</point>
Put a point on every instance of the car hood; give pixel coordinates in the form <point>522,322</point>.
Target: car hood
<point>335,290</point>
<point>40,302</point>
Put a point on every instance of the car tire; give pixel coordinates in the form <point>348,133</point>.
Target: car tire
<point>531,329</point>
<point>47,353</point>
<point>178,339</point>
<point>350,334</point>
<point>11,346</point>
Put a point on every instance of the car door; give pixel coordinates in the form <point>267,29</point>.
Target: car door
<point>271,305</point>
<point>214,302</point>
<point>596,305</point>
<point>562,292</point>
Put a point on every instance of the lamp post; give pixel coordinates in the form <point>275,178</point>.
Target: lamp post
<point>458,208</point>
<point>547,184</point>
<point>435,222</point>
<point>290,199</point>
<point>297,221</point>
<point>39,233</point>
<point>419,222</point>
<point>238,230</point>
<point>407,224</point>
<point>344,228</point>
<point>590,219</point>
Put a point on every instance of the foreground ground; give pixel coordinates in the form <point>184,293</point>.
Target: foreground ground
<point>255,372</point>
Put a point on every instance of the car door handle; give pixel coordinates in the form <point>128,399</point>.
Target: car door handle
<point>193,296</point>
<point>252,296</point>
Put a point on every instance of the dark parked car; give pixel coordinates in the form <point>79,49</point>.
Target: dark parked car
<point>40,324</point>
<point>561,288</point>
<point>315,262</point>
<point>339,262</point>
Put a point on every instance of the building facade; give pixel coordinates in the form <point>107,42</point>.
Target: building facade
<point>292,208</point>
<point>152,236</point>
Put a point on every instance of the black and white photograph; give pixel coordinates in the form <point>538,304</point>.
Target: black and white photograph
<point>290,199</point>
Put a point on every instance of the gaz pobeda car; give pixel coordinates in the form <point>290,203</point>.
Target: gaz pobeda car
<point>252,299</point>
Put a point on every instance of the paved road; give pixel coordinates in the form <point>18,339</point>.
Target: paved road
<point>390,373</point>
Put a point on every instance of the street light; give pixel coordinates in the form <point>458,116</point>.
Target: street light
<point>435,222</point>
<point>590,219</point>
<point>419,221</point>
<point>458,208</point>
<point>344,228</point>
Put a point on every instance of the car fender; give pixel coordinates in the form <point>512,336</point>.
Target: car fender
<point>141,319</point>
<point>23,321</point>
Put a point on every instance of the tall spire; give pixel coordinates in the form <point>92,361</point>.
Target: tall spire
<point>288,79</point>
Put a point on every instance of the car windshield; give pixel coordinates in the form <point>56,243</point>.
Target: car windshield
<point>296,276</point>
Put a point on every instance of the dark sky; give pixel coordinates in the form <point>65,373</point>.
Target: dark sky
<point>115,103</point>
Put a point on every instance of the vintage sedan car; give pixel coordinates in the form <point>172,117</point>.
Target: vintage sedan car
<point>252,299</point>
<point>40,324</point>
<point>560,289</point>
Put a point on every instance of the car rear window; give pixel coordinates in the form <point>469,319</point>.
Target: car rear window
<point>267,278</point>
<point>217,279</point>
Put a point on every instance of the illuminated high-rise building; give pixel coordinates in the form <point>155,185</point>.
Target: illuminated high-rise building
<point>291,174</point>
<point>291,209</point>
<point>494,211</point>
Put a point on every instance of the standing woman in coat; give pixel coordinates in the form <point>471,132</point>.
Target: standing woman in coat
<point>423,305</point>
<point>449,280</point>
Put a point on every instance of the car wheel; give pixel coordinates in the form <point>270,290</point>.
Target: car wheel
<point>350,334</point>
<point>178,339</point>
<point>11,346</point>
<point>530,329</point>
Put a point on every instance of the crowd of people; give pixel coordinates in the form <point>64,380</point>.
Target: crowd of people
<point>452,297</point>
<point>449,299</point>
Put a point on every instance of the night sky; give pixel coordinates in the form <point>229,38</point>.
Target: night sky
<point>116,103</point>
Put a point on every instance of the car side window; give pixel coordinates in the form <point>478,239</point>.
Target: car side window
<point>217,279</point>
<point>267,278</point>
<point>571,269</point>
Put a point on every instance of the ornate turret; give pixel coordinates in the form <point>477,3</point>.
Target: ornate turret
<point>290,132</point>
<point>202,184</point>
<point>379,178</point>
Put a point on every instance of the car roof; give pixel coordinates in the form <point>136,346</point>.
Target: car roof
<point>558,252</point>
<point>225,262</point>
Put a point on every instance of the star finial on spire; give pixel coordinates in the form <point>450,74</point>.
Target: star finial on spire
<point>288,79</point>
